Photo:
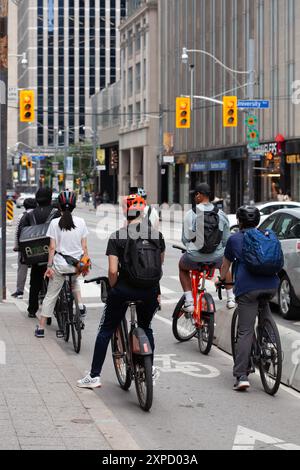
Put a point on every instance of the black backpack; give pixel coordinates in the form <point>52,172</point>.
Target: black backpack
<point>212,234</point>
<point>142,259</point>
<point>33,242</point>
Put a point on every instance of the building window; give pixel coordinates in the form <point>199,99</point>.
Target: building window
<point>138,77</point>
<point>130,115</point>
<point>130,43</point>
<point>145,74</point>
<point>130,82</point>
<point>138,111</point>
<point>138,38</point>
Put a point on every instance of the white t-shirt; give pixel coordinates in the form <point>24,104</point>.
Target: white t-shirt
<point>68,242</point>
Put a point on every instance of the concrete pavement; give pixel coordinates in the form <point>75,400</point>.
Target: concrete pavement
<point>40,405</point>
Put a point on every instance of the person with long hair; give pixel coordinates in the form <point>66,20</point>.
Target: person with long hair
<point>68,241</point>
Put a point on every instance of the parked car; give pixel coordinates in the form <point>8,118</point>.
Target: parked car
<point>265,210</point>
<point>286,224</point>
<point>11,194</point>
<point>22,197</point>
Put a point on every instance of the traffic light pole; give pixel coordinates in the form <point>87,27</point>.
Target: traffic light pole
<point>3,141</point>
<point>251,61</point>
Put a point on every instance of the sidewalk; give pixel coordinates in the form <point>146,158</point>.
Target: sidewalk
<point>40,405</point>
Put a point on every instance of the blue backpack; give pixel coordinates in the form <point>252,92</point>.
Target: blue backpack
<point>262,252</point>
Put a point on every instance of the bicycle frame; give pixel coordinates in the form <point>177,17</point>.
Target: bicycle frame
<point>196,277</point>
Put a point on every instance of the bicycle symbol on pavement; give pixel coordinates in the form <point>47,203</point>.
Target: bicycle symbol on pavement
<point>194,369</point>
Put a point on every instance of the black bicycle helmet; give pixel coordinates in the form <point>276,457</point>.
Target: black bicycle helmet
<point>248,216</point>
<point>67,200</point>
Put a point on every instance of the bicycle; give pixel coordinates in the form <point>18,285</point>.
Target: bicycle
<point>266,352</point>
<point>131,352</point>
<point>67,314</point>
<point>201,323</point>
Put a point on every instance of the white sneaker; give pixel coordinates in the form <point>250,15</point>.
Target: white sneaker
<point>89,382</point>
<point>188,307</point>
<point>231,304</point>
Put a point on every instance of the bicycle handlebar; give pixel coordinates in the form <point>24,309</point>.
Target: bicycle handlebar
<point>98,280</point>
<point>181,248</point>
<point>221,287</point>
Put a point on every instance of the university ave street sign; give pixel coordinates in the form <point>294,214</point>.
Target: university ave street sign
<point>253,104</point>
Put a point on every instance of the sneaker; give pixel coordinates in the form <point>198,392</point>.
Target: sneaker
<point>18,294</point>
<point>31,315</point>
<point>83,313</point>
<point>231,304</point>
<point>188,307</point>
<point>39,333</point>
<point>241,384</point>
<point>89,382</point>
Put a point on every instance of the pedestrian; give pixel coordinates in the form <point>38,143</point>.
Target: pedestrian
<point>29,205</point>
<point>87,198</point>
<point>41,214</point>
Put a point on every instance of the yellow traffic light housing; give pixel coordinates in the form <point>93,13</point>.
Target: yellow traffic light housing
<point>230,111</point>
<point>27,106</point>
<point>24,160</point>
<point>183,113</point>
<point>29,164</point>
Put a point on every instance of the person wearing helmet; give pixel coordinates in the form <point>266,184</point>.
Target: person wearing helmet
<point>42,212</point>
<point>68,243</point>
<point>123,287</point>
<point>249,288</point>
<point>150,212</point>
<point>212,228</point>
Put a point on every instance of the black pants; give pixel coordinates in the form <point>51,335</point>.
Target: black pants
<point>36,284</point>
<point>115,311</point>
<point>248,310</point>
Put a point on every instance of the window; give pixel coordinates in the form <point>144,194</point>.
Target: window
<point>130,114</point>
<point>138,38</point>
<point>285,224</point>
<point>130,82</point>
<point>138,77</point>
<point>295,230</point>
<point>270,223</point>
<point>130,44</point>
<point>138,111</point>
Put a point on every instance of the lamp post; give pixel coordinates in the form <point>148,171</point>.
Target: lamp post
<point>249,73</point>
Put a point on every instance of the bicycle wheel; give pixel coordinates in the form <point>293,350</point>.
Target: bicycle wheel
<point>234,333</point>
<point>183,324</point>
<point>206,334</point>
<point>61,313</point>
<point>75,322</point>
<point>143,381</point>
<point>119,355</point>
<point>270,363</point>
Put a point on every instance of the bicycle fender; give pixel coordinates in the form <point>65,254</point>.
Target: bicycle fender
<point>210,303</point>
<point>140,343</point>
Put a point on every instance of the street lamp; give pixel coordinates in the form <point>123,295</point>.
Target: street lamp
<point>24,60</point>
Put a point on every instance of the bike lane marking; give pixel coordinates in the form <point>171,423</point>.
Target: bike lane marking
<point>193,369</point>
<point>245,439</point>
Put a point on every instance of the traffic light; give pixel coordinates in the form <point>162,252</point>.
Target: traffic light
<point>27,106</point>
<point>24,160</point>
<point>183,113</point>
<point>230,111</point>
<point>61,177</point>
<point>29,164</point>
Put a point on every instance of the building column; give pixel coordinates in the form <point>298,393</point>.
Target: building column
<point>124,172</point>
<point>150,174</point>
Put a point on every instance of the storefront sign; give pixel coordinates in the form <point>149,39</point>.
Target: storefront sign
<point>292,159</point>
<point>221,165</point>
<point>266,148</point>
<point>168,159</point>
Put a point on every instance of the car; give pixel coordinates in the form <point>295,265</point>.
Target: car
<point>11,195</point>
<point>286,224</point>
<point>265,210</point>
<point>22,197</point>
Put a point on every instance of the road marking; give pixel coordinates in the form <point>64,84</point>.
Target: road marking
<point>193,369</point>
<point>245,439</point>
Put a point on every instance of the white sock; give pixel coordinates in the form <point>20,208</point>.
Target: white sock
<point>189,297</point>
<point>230,294</point>
<point>80,306</point>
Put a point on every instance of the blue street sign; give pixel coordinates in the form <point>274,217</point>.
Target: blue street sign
<point>253,104</point>
<point>38,157</point>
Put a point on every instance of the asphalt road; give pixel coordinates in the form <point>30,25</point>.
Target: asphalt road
<point>194,404</point>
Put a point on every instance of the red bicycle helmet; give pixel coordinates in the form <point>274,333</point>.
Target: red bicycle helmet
<point>134,203</point>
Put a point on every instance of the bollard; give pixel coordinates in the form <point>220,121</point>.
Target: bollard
<point>9,210</point>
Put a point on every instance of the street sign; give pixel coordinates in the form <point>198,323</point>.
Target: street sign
<point>12,93</point>
<point>253,104</point>
<point>38,157</point>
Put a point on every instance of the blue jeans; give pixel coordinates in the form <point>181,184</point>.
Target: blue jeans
<point>115,311</point>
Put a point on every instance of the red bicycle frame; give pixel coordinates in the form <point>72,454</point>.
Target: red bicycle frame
<point>207,273</point>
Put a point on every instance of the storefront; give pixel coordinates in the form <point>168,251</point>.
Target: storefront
<point>268,172</point>
<point>292,163</point>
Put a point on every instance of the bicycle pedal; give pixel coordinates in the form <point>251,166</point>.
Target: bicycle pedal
<point>60,334</point>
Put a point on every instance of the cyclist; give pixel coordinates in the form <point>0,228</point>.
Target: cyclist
<point>249,288</point>
<point>68,243</point>
<point>216,233</point>
<point>123,289</point>
<point>150,212</point>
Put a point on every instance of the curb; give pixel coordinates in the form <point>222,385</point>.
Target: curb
<point>290,341</point>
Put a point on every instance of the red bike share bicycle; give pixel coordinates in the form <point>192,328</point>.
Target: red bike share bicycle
<point>201,323</point>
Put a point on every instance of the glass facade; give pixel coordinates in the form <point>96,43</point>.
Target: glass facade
<point>40,74</point>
